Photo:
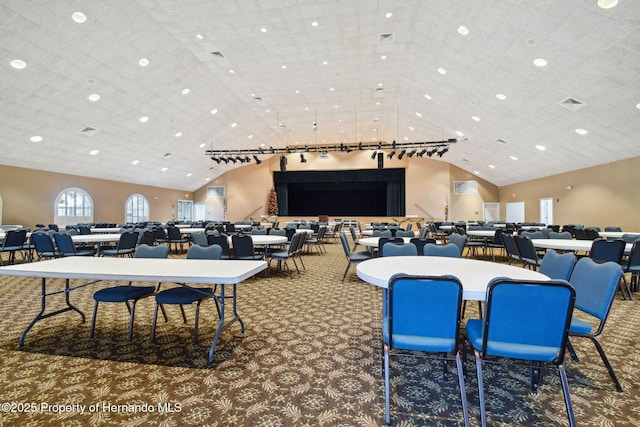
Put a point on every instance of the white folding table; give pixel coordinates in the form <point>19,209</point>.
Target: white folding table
<point>96,269</point>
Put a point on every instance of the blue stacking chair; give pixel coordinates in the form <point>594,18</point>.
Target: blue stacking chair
<point>595,285</point>
<point>394,249</point>
<point>128,293</point>
<point>450,250</point>
<point>557,266</point>
<point>422,314</point>
<point>352,257</point>
<point>539,336</point>
<point>186,295</point>
<point>66,247</point>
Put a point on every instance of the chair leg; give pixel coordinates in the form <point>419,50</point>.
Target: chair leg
<point>345,272</point>
<point>387,385</point>
<point>153,324</point>
<point>184,316</point>
<point>131,316</point>
<point>483,414</point>
<point>93,319</point>
<point>195,326</point>
<point>463,390</point>
<point>567,396</point>
<point>606,363</point>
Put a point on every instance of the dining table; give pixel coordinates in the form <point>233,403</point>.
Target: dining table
<point>474,274</point>
<point>569,245</point>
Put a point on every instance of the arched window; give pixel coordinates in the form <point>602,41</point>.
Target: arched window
<point>136,209</point>
<point>73,206</point>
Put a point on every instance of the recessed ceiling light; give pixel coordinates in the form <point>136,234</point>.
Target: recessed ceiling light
<point>418,114</point>
<point>231,71</point>
<point>460,134</point>
<point>314,24</point>
<point>476,172</point>
<point>144,119</point>
<point>325,62</point>
<point>234,124</point>
<point>427,96</point>
<point>178,134</point>
<point>582,131</point>
<point>331,89</point>
<point>284,67</point>
<point>18,64</point>
<point>463,30</point>
<point>199,36</point>
<point>79,17</point>
<point>186,90</point>
<point>638,105</point>
<point>378,103</point>
<point>164,169</point>
<point>411,128</point>
<point>540,62</point>
<point>442,71</point>
<point>135,162</point>
<point>250,136</point>
<point>143,62</point>
<point>388,15</point>
<point>202,145</point>
<point>214,111</point>
<point>383,57</point>
<point>475,118</point>
<point>94,152</point>
<point>501,96</point>
<point>607,4</point>
<point>540,147</point>
<point>189,174</point>
<point>405,138</point>
<point>336,106</point>
<point>263,29</point>
<point>513,157</point>
<point>94,97</point>
<point>492,166</point>
<point>36,138</point>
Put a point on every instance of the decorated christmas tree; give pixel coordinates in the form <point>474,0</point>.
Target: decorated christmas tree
<point>273,202</point>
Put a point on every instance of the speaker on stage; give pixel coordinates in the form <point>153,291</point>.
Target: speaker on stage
<point>380,160</point>
<point>283,163</point>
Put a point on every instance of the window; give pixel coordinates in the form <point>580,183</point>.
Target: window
<point>73,206</point>
<point>185,210</point>
<point>136,209</point>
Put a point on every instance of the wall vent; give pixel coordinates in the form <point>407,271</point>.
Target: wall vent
<point>216,191</point>
<point>572,104</point>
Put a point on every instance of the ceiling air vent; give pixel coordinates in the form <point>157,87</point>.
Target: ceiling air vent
<point>89,131</point>
<point>167,155</point>
<point>501,141</point>
<point>378,92</point>
<point>217,53</point>
<point>572,104</point>
<point>385,38</point>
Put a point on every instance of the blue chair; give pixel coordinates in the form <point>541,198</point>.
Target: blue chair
<point>128,293</point>
<point>595,285</point>
<point>420,242</point>
<point>186,295</point>
<point>243,248</point>
<point>611,250</point>
<point>510,248</point>
<point>422,314</point>
<point>393,249</point>
<point>528,253</point>
<point>126,245</point>
<point>13,242</point>
<point>222,241</point>
<point>460,240</point>
<point>538,336</point>
<point>449,250</point>
<point>175,238</point>
<point>557,266</point>
<point>633,264</point>
<point>43,245</point>
<point>66,247</point>
<point>282,255</point>
<point>199,238</point>
<point>352,257</point>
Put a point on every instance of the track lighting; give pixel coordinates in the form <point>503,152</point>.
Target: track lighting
<point>258,161</point>
<point>441,152</point>
<point>392,153</point>
<point>401,155</point>
<point>374,154</point>
<point>411,153</point>
<point>432,152</point>
<point>302,159</point>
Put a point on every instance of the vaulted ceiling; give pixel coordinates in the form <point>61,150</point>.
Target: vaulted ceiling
<point>137,90</point>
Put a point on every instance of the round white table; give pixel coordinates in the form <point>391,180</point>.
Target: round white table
<point>96,238</point>
<point>569,245</point>
<point>616,234</point>
<point>474,274</point>
<point>373,241</point>
<point>265,239</point>
<point>481,233</point>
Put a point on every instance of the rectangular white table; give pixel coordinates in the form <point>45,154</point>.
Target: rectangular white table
<point>96,269</point>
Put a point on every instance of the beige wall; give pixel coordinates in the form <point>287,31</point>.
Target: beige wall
<point>28,196</point>
<point>600,196</point>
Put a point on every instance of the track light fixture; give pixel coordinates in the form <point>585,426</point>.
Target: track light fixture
<point>258,161</point>
<point>391,154</point>
<point>441,152</point>
<point>422,152</point>
<point>432,152</point>
<point>412,153</point>
<point>374,154</point>
<point>302,159</point>
<point>401,155</point>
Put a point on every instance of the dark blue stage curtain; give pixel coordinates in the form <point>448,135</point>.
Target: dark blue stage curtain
<point>368,192</point>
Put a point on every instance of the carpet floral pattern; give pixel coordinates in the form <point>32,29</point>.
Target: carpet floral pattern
<point>310,356</point>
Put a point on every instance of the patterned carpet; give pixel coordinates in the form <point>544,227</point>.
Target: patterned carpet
<point>310,356</point>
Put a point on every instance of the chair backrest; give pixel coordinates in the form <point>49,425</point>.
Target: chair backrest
<point>384,240</point>
<point>618,229</point>
<point>220,240</point>
<point>607,250</point>
<point>459,240</point>
<point>407,233</point>
<point>199,238</point>
<point>65,244</point>
<point>634,256</point>
<point>84,229</point>
<point>557,266</point>
<point>424,231</point>
<point>420,242</point>
<point>595,285</point>
<point>128,240</point>
<point>450,250</point>
<point>204,252</point>
<point>147,237</point>
<point>382,233</point>
<point>497,236</point>
<point>424,306</point>
<point>147,251</point>
<point>393,249</point>
<point>242,246</point>
<point>15,238</point>
<point>174,233</point>
<point>42,242</point>
<point>509,327</point>
<point>277,232</point>
<point>525,248</point>
<point>562,235</point>
<point>532,234</point>
<point>161,234</point>
<point>630,238</point>
<point>354,235</point>
<point>345,244</point>
<point>580,234</point>
<point>591,233</point>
